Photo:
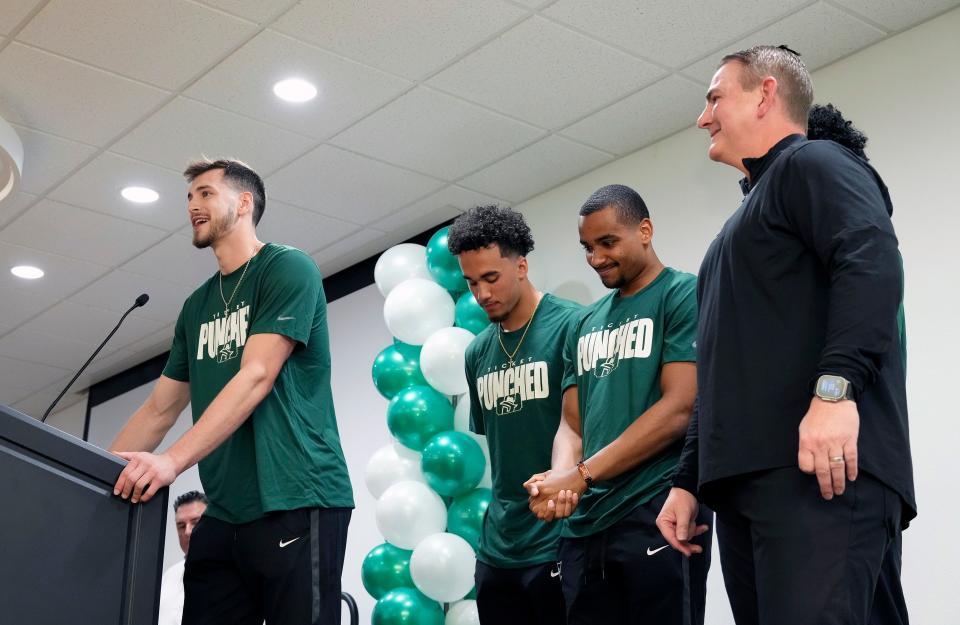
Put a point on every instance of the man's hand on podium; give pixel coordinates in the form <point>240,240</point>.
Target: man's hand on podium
<point>144,475</point>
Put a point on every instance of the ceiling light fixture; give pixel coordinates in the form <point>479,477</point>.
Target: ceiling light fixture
<point>140,195</point>
<point>295,90</point>
<point>11,159</point>
<point>27,272</point>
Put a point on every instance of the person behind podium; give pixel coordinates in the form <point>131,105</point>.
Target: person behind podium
<point>187,510</point>
<point>251,355</point>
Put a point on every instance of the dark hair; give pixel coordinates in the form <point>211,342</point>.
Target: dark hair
<point>827,122</point>
<point>482,225</point>
<point>238,174</point>
<point>189,497</point>
<point>630,206</point>
<point>795,86</point>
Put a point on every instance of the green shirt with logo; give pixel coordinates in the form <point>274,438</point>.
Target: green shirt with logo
<point>518,409</point>
<point>614,357</point>
<point>287,454</point>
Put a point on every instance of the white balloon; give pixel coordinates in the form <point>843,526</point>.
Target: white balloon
<point>461,414</point>
<point>386,467</point>
<point>463,613</point>
<point>442,567</point>
<point>417,308</point>
<point>441,360</point>
<point>399,263</point>
<point>408,512</point>
<point>486,481</point>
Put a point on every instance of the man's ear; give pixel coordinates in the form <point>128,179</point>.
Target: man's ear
<point>769,92</point>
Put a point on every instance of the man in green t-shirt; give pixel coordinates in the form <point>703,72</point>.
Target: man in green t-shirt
<point>514,369</point>
<point>630,363</point>
<point>251,355</point>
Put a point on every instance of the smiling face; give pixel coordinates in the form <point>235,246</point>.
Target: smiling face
<point>730,116</point>
<point>214,207</point>
<point>495,280</point>
<point>617,251</point>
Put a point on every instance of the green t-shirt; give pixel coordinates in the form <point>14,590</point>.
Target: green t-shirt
<point>519,411</point>
<point>614,357</point>
<point>287,454</point>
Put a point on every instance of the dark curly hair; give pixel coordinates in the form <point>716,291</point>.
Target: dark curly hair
<point>189,497</point>
<point>826,122</point>
<point>482,225</point>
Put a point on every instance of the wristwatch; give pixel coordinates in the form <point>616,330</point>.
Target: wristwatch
<point>833,388</point>
<point>585,473</point>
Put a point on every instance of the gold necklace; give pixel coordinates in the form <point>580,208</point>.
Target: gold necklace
<point>522,336</point>
<point>226,302</point>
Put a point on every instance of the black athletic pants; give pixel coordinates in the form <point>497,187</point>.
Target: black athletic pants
<point>789,557</point>
<point>525,596</point>
<point>284,568</point>
<point>628,574</point>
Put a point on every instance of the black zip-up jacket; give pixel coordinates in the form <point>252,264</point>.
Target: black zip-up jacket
<point>804,279</point>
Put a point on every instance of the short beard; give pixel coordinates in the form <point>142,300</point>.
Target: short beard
<point>217,229</point>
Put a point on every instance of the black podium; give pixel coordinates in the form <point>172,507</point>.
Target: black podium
<point>71,552</point>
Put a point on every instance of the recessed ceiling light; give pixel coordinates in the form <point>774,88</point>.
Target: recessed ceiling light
<point>140,195</point>
<point>295,90</point>
<point>27,272</point>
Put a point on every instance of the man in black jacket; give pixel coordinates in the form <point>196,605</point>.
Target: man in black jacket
<point>797,341</point>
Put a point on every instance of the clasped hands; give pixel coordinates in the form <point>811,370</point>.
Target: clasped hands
<point>554,494</point>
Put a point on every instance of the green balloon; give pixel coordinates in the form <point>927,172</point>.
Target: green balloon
<point>469,315</point>
<point>396,368</point>
<point>386,567</point>
<point>410,351</point>
<point>444,266</point>
<point>453,463</point>
<point>465,515</point>
<point>472,594</point>
<point>416,414</point>
<point>407,606</point>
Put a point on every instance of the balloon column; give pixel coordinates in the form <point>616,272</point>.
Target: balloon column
<point>434,463</point>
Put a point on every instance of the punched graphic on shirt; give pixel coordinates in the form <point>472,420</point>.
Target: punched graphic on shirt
<point>222,338</point>
<point>505,390</point>
<point>602,349</point>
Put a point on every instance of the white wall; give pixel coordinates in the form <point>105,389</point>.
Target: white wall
<point>903,92</point>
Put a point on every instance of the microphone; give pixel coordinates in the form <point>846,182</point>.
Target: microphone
<point>140,301</point>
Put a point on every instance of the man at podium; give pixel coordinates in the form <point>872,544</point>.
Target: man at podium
<point>251,355</point>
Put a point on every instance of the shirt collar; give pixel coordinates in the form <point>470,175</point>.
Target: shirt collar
<point>756,166</point>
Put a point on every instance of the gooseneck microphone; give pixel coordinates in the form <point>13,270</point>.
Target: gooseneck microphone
<point>140,301</point>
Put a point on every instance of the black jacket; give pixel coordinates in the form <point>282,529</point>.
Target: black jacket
<point>804,279</point>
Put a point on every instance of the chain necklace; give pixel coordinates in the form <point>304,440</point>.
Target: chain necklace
<point>226,302</point>
<point>522,336</point>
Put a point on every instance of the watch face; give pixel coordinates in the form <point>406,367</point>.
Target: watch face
<point>831,386</point>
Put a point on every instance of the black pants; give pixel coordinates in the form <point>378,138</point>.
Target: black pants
<point>628,574</point>
<point>789,557</point>
<point>525,596</point>
<point>284,568</point>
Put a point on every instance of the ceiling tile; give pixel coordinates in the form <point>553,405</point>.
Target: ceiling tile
<point>821,33</point>
<point>13,205</point>
<point>14,11</point>
<point>79,233</point>
<point>186,129</point>
<point>410,38</point>
<point>437,134</point>
<point>177,260</point>
<point>537,168</point>
<point>73,100</point>
<point>642,118</point>
<point>350,250</point>
<point>90,325</point>
<point>348,186</point>
<point>430,211</point>
<point>898,14</point>
<point>47,159</point>
<point>162,43</point>
<point>300,228</point>
<point>18,305</point>
<point>45,349</point>
<point>534,4</point>
<point>545,74</point>
<point>117,291</point>
<point>152,344</point>
<point>254,10</point>
<point>34,404</point>
<point>244,83</point>
<point>63,275</point>
<point>27,376</point>
<point>97,186</point>
<point>670,32</point>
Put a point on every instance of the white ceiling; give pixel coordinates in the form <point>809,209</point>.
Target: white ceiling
<point>426,107</point>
